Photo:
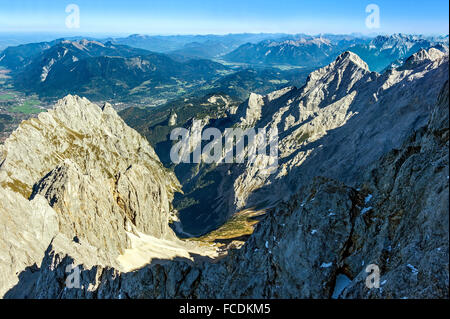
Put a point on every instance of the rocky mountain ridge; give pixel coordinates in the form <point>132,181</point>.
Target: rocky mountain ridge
<point>306,245</point>
<point>81,165</point>
<point>363,173</point>
<point>337,112</point>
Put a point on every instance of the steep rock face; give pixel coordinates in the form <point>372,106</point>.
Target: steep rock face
<point>397,220</point>
<point>82,166</point>
<point>86,206</point>
<point>27,228</point>
<point>406,225</point>
<point>293,253</point>
<point>343,110</point>
<point>91,141</point>
<point>339,122</point>
<point>93,137</point>
<point>422,57</point>
<point>301,117</point>
<point>251,111</point>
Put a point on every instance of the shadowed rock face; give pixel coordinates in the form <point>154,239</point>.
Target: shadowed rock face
<point>337,124</point>
<point>96,177</point>
<point>406,232</point>
<point>396,219</point>
<point>342,120</point>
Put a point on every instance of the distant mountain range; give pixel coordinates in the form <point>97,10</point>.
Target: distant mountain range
<point>107,70</point>
<point>102,70</point>
<point>125,70</point>
<point>199,46</point>
<point>306,51</point>
<point>379,52</point>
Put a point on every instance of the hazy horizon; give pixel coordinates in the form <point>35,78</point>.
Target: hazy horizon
<point>224,17</point>
<point>54,35</point>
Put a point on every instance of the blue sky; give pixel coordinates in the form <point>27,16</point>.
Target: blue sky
<point>224,16</point>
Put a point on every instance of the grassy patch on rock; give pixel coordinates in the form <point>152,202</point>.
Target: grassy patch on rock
<point>240,225</point>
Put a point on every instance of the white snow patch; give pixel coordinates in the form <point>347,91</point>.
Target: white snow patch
<point>145,248</point>
<point>326,265</point>
<point>46,69</point>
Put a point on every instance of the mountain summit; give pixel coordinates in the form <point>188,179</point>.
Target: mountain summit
<point>349,57</point>
<point>80,171</point>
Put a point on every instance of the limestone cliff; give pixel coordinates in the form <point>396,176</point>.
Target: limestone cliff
<point>81,172</point>
<point>363,179</point>
<point>397,219</point>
